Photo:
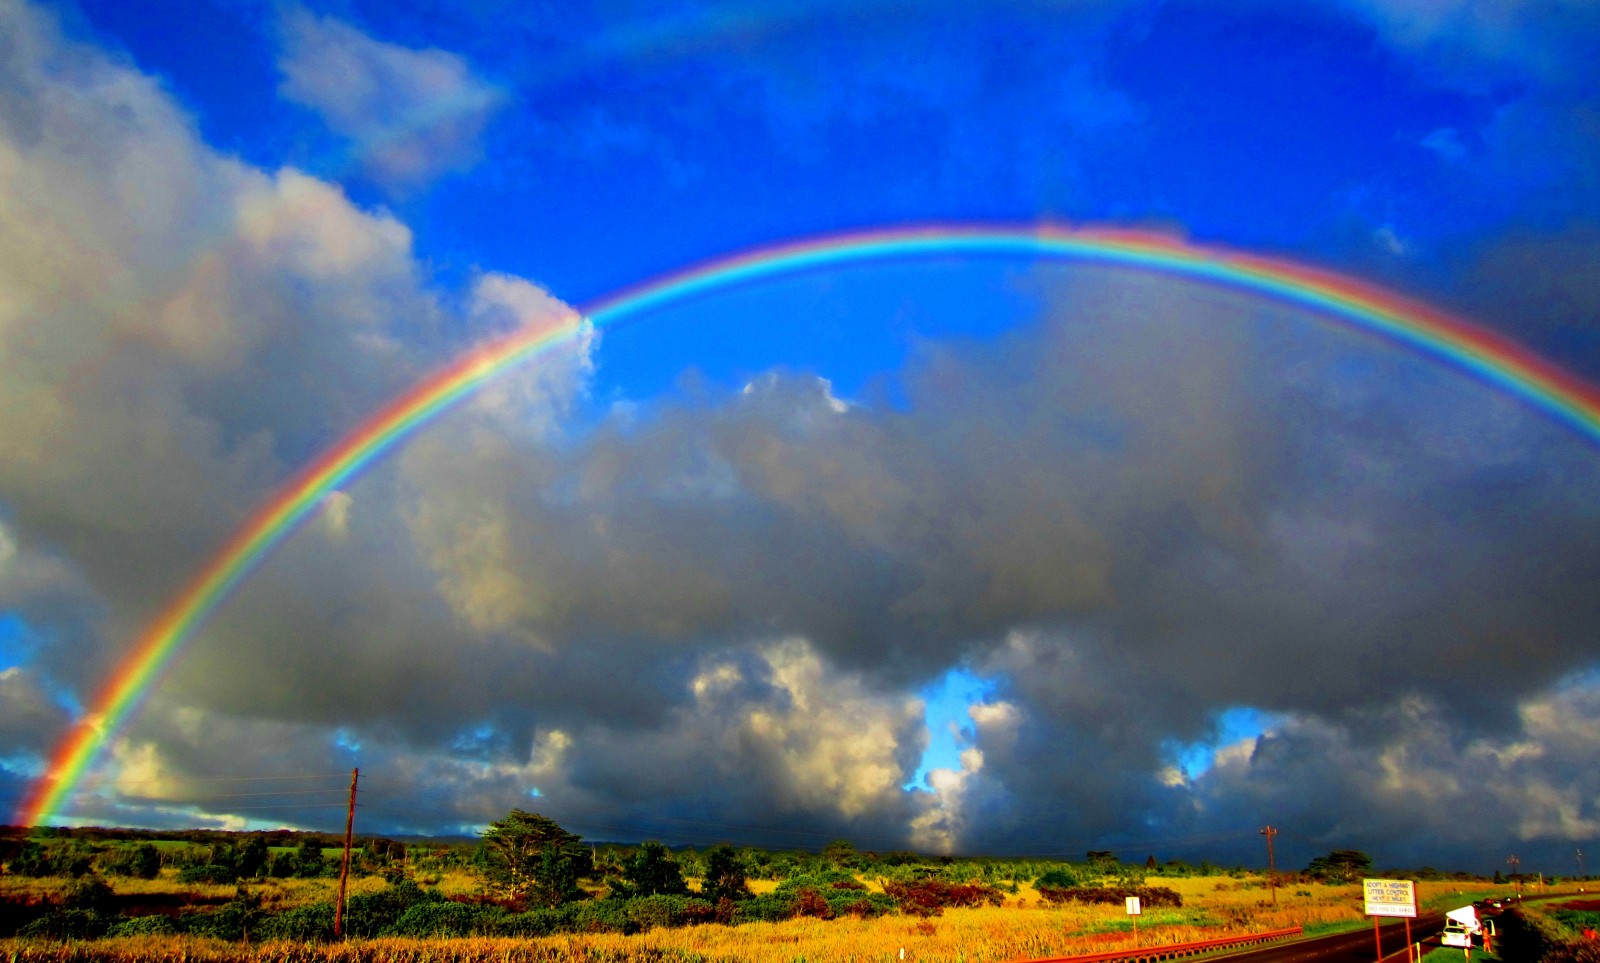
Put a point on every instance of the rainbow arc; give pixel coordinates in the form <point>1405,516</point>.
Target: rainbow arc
<point>1335,299</point>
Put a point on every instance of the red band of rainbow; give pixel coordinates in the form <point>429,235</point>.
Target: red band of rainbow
<point>1494,359</point>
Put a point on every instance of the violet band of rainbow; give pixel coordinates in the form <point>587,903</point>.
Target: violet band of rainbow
<point>1490,357</point>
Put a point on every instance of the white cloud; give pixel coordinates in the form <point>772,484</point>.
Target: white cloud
<point>958,796</point>
<point>336,515</point>
<point>181,332</point>
<point>832,743</point>
<point>526,401</point>
<point>1401,772</point>
<point>413,114</point>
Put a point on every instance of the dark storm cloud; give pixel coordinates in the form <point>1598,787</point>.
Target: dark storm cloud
<point>1156,504</point>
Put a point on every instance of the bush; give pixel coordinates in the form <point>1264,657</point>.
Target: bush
<point>1059,878</point>
<point>303,924</point>
<point>142,926</point>
<point>859,903</point>
<point>766,908</point>
<point>90,893</point>
<point>35,860</point>
<point>536,922</point>
<point>445,918</point>
<point>1148,895</point>
<point>369,914</point>
<point>238,919</point>
<point>601,916</point>
<point>649,912</point>
<point>929,897</point>
<point>142,861</point>
<point>219,873</point>
<point>68,924</point>
<point>809,902</point>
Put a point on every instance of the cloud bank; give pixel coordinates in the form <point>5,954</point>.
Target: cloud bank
<point>712,614</point>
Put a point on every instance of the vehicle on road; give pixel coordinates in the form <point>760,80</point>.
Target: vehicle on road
<point>1460,926</point>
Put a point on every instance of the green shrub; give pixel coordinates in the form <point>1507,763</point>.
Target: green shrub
<point>218,873</point>
<point>368,914</point>
<point>846,902</point>
<point>445,918</point>
<point>238,919</point>
<point>1058,878</point>
<point>142,926</point>
<point>90,893</point>
<point>1578,919</point>
<point>68,924</point>
<point>601,916</point>
<point>766,908</point>
<point>543,921</point>
<point>649,912</point>
<point>303,924</point>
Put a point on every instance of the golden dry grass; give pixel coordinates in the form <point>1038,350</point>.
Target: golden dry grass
<point>1023,928</point>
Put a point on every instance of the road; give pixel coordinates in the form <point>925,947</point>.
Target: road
<point>1352,947</point>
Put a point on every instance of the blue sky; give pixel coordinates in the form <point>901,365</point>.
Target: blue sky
<point>954,555</point>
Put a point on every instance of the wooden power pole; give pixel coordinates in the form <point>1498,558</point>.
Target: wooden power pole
<point>1272,865</point>
<point>344,867</point>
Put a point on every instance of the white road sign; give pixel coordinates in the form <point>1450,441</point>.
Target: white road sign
<point>1390,897</point>
<point>1133,905</point>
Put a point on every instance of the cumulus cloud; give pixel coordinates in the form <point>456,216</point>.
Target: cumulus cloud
<point>1398,778</point>
<point>1128,540</point>
<point>412,114</point>
<point>181,332</point>
<point>529,400</point>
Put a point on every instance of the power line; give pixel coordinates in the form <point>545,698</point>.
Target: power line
<point>145,782</point>
<point>244,795</point>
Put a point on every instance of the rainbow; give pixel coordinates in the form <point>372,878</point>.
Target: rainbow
<point>1483,354</point>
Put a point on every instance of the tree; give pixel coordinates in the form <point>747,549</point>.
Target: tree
<point>652,870</point>
<point>253,856</point>
<point>527,856</point>
<point>724,877</point>
<point>842,854</point>
<point>308,862</point>
<point>146,862</point>
<point>1101,860</point>
<point>1340,866</point>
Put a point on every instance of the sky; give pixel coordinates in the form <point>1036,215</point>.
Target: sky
<point>963,555</point>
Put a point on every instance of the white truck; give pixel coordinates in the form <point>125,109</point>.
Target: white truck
<point>1460,926</point>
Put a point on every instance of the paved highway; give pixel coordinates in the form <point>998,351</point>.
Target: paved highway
<point>1353,947</point>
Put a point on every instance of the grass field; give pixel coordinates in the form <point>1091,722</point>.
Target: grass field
<point>1025,926</point>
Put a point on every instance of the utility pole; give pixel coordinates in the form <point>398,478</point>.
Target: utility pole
<point>1580,865</point>
<point>1514,862</point>
<point>344,867</point>
<point>1272,864</point>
